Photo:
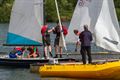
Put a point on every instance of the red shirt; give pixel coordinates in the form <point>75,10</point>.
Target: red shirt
<point>43,29</point>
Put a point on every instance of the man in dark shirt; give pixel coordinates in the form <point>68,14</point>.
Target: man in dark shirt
<point>85,39</point>
<point>57,32</point>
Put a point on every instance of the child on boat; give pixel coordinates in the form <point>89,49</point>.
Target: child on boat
<point>33,52</point>
<point>16,52</point>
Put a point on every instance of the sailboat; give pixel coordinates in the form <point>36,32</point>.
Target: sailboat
<point>101,18</point>
<point>27,18</point>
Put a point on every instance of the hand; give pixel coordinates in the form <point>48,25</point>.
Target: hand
<point>75,49</point>
<point>53,28</point>
<point>61,31</point>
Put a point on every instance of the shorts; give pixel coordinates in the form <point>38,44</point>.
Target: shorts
<point>56,42</point>
<point>46,42</point>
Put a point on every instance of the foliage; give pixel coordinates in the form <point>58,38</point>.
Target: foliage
<point>66,8</point>
<point>5,9</point>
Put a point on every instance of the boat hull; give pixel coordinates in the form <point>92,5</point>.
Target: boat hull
<point>25,63</point>
<point>109,70</point>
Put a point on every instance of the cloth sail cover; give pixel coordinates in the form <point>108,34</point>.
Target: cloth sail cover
<point>25,23</point>
<point>101,18</point>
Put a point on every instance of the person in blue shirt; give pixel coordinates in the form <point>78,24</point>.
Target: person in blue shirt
<point>85,39</point>
<point>16,52</point>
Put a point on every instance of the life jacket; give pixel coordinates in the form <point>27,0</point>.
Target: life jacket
<point>18,48</point>
<point>43,30</point>
<point>34,49</point>
<point>65,30</point>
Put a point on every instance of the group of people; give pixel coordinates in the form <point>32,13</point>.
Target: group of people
<point>45,31</point>
<point>20,52</point>
<point>85,38</point>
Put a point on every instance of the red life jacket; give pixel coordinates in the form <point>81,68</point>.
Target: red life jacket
<point>32,51</point>
<point>43,29</point>
<point>65,30</point>
<point>18,48</point>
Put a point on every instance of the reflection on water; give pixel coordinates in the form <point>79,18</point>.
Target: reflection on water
<point>17,74</point>
<point>60,79</point>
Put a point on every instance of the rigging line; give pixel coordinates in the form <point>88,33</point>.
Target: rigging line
<point>60,25</point>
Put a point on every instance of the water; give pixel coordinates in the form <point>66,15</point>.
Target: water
<point>17,74</point>
<point>25,74</point>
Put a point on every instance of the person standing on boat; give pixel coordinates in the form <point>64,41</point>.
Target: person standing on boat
<point>85,39</point>
<point>45,31</point>
<point>76,32</point>
<point>57,31</point>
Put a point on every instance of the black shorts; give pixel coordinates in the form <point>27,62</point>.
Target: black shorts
<point>46,41</point>
<point>56,42</point>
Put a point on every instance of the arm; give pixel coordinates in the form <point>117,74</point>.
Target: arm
<point>50,30</point>
<point>91,38</point>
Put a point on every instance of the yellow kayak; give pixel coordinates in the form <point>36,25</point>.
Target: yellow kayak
<point>109,70</point>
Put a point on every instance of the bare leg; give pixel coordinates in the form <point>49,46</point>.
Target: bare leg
<point>56,51</point>
<point>50,51</point>
<point>45,52</point>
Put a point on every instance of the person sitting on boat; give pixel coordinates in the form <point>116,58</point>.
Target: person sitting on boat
<point>76,32</point>
<point>57,31</point>
<point>45,31</point>
<point>85,39</point>
<point>16,52</point>
<point>33,52</point>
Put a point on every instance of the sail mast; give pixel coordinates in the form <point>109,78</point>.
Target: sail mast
<point>62,40</point>
<point>44,12</point>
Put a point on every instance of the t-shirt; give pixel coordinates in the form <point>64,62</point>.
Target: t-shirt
<point>57,31</point>
<point>43,30</point>
<point>45,33</point>
<point>85,38</point>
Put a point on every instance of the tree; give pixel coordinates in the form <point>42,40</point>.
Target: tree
<point>66,8</point>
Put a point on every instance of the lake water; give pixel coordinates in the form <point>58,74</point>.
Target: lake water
<point>25,74</point>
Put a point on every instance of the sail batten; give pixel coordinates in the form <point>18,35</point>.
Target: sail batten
<point>101,18</point>
<point>25,23</point>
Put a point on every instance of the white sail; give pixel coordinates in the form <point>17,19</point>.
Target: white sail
<point>26,20</point>
<point>101,18</point>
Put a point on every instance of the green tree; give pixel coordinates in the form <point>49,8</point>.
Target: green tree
<point>66,8</point>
